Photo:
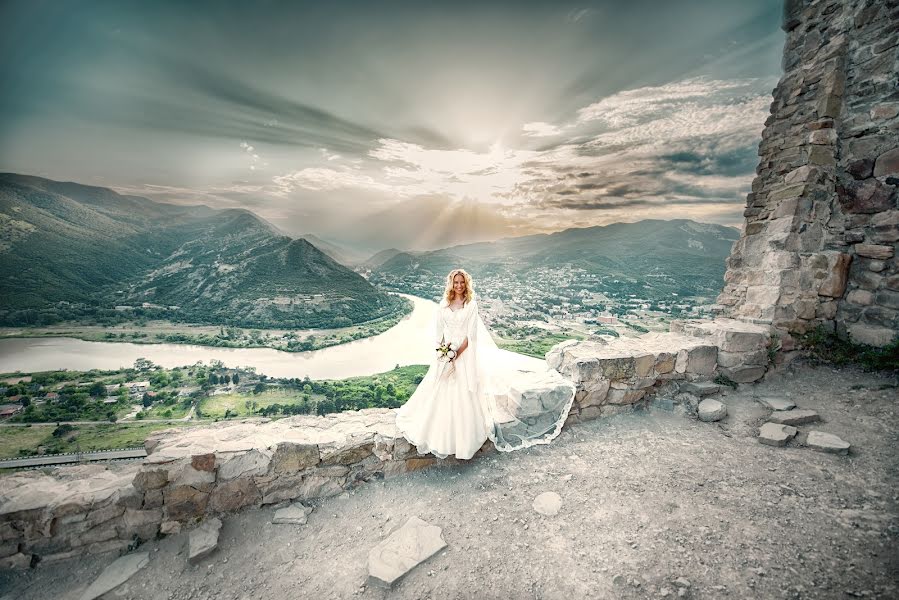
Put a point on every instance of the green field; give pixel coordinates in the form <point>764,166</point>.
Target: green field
<point>539,345</point>
<point>214,407</point>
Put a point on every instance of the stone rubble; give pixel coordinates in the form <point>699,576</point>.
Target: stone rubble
<point>795,416</point>
<point>710,410</point>
<point>777,403</point>
<point>203,540</point>
<point>403,550</point>
<point>776,434</point>
<point>827,442</point>
<point>295,514</point>
<point>117,573</point>
<point>548,504</point>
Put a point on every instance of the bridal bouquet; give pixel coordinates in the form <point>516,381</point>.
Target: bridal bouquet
<point>445,355</point>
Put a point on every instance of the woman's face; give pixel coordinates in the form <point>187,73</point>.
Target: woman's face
<point>459,285</point>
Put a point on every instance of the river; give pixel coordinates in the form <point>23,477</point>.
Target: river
<point>409,342</point>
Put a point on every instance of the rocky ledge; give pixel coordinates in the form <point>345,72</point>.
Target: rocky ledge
<point>191,474</point>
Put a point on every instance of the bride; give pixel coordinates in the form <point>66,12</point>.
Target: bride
<point>483,392</point>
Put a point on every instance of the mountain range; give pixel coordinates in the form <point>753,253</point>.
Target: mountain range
<point>65,244</point>
<point>677,256</point>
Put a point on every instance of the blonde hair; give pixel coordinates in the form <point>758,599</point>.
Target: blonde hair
<point>469,289</point>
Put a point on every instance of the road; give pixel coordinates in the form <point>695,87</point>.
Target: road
<point>63,459</point>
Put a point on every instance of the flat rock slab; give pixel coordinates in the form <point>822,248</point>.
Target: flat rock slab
<point>797,416</point>
<point>403,550</point>
<point>711,410</point>
<point>548,503</point>
<point>203,540</point>
<point>116,574</point>
<point>700,388</point>
<point>776,434</point>
<point>827,442</point>
<point>777,403</point>
<point>296,514</point>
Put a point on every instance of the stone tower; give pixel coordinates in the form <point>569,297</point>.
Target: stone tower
<point>822,221</point>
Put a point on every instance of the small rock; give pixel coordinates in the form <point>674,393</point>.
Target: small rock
<point>406,548</point>
<point>711,410</point>
<point>776,434</point>
<point>777,403</point>
<point>296,514</point>
<point>797,416</point>
<point>116,574</point>
<point>170,528</point>
<point>203,540</point>
<point>682,582</point>
<point>619,579</point>
<point>548,503</point>
<point>700,388</point>
<point>827,442</point>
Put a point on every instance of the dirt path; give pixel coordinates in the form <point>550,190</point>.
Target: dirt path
<point>648,498</point>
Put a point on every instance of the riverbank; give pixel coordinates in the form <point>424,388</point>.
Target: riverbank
<point>215,336</point>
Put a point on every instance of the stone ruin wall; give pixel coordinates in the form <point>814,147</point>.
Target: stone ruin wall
<point>821,223</point>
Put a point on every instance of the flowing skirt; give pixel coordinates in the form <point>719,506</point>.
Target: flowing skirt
<point>443,417</point>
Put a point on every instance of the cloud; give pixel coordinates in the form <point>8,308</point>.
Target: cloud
<point>540,129</point>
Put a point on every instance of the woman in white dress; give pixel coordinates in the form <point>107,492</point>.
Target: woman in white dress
<point>516,401</point>
<point>445,416</point>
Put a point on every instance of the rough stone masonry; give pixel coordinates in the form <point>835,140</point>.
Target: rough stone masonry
<point>821,223</point>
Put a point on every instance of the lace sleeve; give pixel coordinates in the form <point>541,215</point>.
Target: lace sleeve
<point>438,326</point>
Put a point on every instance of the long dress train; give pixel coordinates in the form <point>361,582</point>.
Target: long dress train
<point>515,401</point>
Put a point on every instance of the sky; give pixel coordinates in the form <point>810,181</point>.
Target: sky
<point>413,125</point>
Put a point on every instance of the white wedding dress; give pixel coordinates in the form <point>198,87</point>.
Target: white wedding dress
<point>514,400</point>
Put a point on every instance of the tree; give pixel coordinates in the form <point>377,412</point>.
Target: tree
<point>235,378</point>
<point>97,389</point>
<point>259,388</point>
<point>26,401</point>
<point>147,400</point>
<point>214,379</point>
<point>143,364</point>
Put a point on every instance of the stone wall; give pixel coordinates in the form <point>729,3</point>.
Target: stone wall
<point>821,222</point>
<point>190,474</point>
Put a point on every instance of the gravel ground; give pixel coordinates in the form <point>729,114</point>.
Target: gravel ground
<point>655,504</point>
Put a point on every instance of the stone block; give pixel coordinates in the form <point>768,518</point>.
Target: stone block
<point>230,496</point>
<point>744,374</point>
<point>796,416</point>
<point>347,455</point>
<point>860,297</point>
<point>710,410</point>
<point>872,335</point>
<point>874,251</point>
<point>290,457</point>
<point>827,442</point>
<point>776,434</point>
<point>184,502</point>
<point>403,550</point>
<point>887,164</point>
<point>837,272</point>
<point>150,479</point>
<point>203,540</point>
<point>625,396</point>
<point>203,462</point>
<point>595,396</point>
<point>247,463</point>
